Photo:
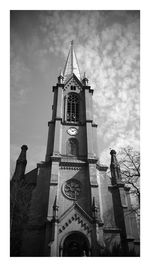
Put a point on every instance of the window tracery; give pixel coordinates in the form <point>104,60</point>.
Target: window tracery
<point>73,108</point>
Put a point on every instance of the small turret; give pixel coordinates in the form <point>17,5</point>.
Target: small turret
<point>60,78</point>
<point>22,156</point>
<point>85,80</point>
<point>55,210</point>
<point>94,209</point>
<point>21,164</point>
<point>115,168</point>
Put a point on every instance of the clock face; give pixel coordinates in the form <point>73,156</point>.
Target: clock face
<point>72,131</point>
<point>72,189</point>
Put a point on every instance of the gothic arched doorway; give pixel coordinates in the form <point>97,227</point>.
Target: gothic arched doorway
<point>75,245</point>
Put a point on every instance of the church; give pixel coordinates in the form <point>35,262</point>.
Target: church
<point>68,206</point>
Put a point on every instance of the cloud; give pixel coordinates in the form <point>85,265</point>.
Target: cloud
<point>19,72</point>
<point>26,57</point>
<point>107,48</point>
<point>107,45</point>
<point>19,78</point>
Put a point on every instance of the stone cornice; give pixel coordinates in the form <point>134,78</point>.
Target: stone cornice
<point>101,167</point>
<point>43,164</point>
<point>92,160</point>
<point>111,230</point>
<point>91,91</point>
<point>76,163</point>
<point>130,238</point>
<point>94,125</point>
<point>73,123</point>
<point>55,157</point>
<point>89,121</point>
<point>136,241</point>
<point>94,185</point>
<point>87,87</point>
<point>58,119</point>
<point>60,85</point>
<point>51,122</point>
<point>72,163</point>
<point>117,185</point>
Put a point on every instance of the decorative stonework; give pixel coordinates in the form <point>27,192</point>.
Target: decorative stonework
<point>70,168</point>
<point>56,157</point>
<point>101,167</point>
<point>111,230</point>
<point>92,159</point>
<point>73,81</point>
<point>68,123</point>
<point>72,189</point>
<point>79,220</point>
<point>72,163</point>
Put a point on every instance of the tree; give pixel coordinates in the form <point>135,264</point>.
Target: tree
<point>129,161</point>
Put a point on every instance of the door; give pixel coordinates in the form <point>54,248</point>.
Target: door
<point>76,245</point>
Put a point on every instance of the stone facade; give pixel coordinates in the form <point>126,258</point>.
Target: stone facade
<point>68,206</point>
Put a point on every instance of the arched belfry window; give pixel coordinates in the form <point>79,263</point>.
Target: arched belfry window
<point>72,107</point>
<point>72,147</point>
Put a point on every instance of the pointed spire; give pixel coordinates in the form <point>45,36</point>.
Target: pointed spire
<point>115,168</point>
<point>71,65</point>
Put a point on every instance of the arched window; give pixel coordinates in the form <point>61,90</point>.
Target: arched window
<point>72,147</point>
<point>73,107</point>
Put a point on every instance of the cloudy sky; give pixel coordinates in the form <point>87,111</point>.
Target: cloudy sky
<point>107,45</point>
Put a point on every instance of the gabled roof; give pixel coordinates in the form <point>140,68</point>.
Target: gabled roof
<point>73,77</point>
<point>76,206</point>
<point>71,65</point>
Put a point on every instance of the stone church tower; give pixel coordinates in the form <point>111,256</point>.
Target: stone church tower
<point>68,206</point>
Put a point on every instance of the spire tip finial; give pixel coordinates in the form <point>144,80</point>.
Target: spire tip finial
<point>112,151</point>
<point>71,65</point>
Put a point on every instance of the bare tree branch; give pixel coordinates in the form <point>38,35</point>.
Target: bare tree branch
<point>130,170</point>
